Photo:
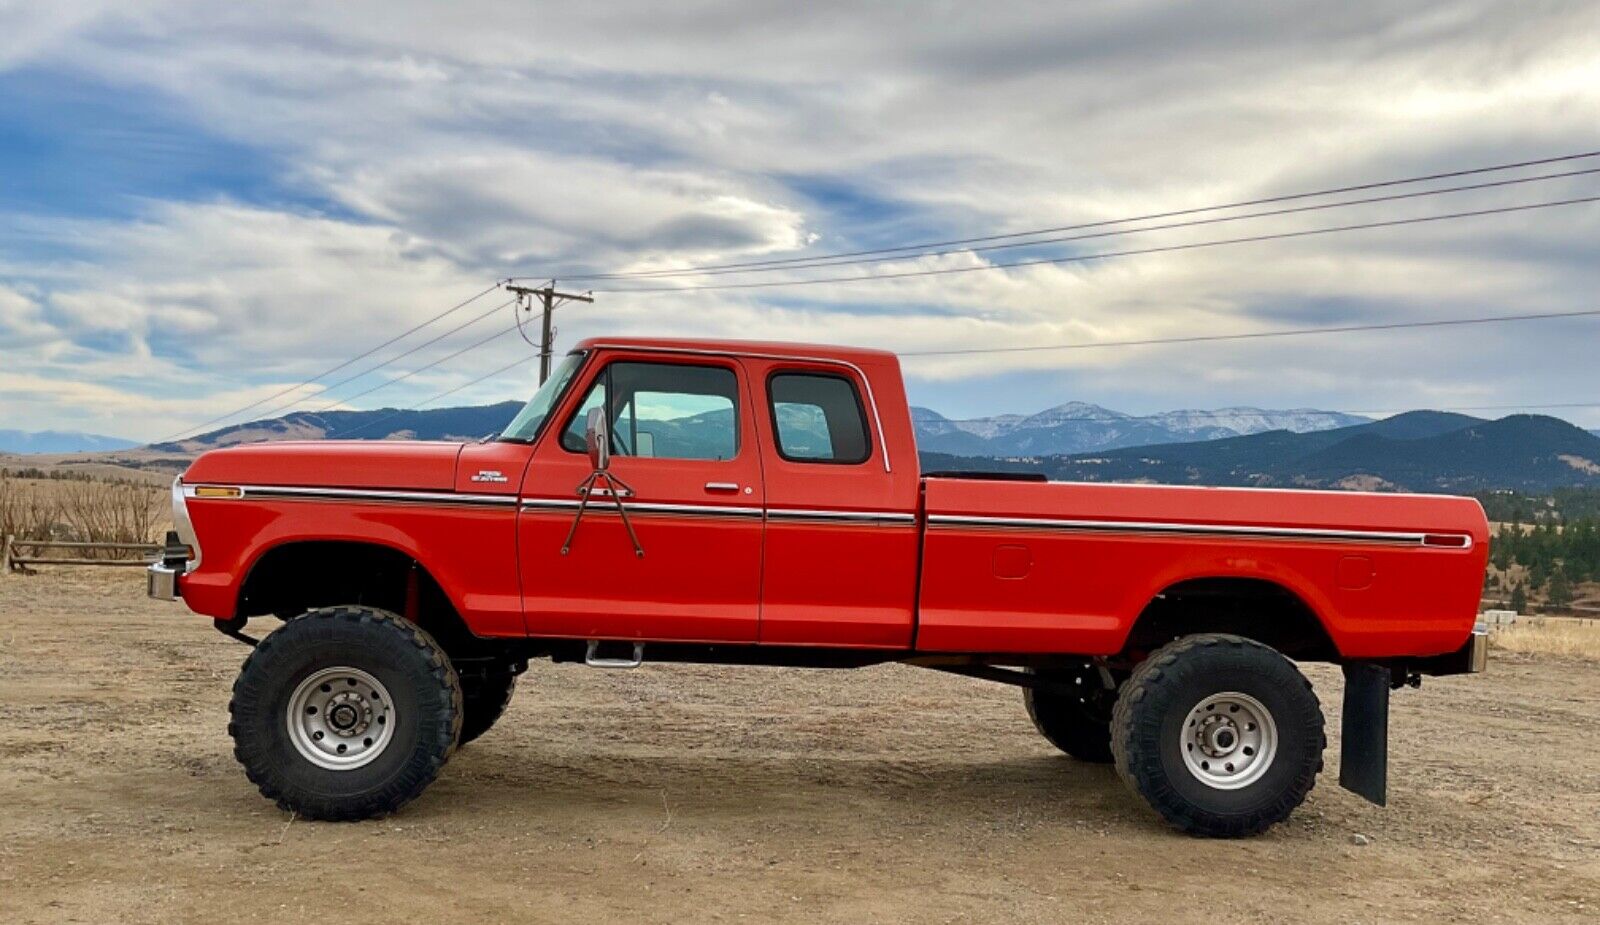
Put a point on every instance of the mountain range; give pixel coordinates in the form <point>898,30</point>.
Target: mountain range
<point>1078,427</point>
<point>59,441</point>
<point>1417,451</point>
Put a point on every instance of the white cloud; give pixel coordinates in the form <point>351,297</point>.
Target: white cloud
<point>456,144</point>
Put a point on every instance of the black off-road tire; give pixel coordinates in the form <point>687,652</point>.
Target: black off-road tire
<point>1077,721</point>
<point>411,668</point>
<point>484,698</point>
<point>1150,729</point>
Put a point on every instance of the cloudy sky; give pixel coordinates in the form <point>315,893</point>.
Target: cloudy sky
<point>203,204</point>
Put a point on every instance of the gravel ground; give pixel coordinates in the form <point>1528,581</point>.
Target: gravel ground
<point>690,794</point>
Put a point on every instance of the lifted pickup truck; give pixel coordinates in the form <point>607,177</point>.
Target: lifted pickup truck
<point>761,504</point>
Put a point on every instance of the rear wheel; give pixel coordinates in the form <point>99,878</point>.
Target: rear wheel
<point>1073,711</point>
<point>345,713</point>
<point>1221,735</point>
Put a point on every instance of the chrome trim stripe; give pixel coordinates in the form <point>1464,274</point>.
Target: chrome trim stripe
<point>299,493</point>
<point>866,381</point>
<point>862,517</point>
<point>603,505</point>
<point>1233,530</point>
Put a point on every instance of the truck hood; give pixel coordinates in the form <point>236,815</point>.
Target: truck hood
<point>396,464</point>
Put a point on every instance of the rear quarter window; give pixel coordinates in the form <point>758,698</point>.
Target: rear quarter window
<point>818,418</point>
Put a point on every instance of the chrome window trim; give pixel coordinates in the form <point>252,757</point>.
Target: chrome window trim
<point>1406,538</point>
<point>866,381</point>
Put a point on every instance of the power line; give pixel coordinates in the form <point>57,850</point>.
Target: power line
<point>1189,339</point>
<point>333,369</point>
<point>1190,223</point>
<point>784,262</point>
<point>279,409</point>
<point>1492,319</point>
<point>420,369</point>
<point>1254,335</point>
<point>1085,258</point>
<point>433,398</point>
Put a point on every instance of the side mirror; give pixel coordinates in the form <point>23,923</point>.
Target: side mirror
<point>597,438</point>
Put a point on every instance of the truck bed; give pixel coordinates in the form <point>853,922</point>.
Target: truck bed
<point>1069,567</point>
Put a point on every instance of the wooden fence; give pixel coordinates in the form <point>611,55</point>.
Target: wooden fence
<point>12,559</point>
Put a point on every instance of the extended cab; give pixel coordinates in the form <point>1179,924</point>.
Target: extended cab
<point>762,503</point>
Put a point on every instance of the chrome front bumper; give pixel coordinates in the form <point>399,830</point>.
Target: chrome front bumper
<point>162,581</point>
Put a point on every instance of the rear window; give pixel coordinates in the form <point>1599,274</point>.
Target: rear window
<point>818,418</point>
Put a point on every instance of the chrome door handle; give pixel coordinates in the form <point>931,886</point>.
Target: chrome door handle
<point>722,486</point>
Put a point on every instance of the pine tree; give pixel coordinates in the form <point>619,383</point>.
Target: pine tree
<point>1560,589</point>
<point>1519,599</point>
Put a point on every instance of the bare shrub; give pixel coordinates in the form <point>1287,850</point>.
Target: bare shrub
<point>27,511</point>
<point>82,510</point>
<point>112,512</point>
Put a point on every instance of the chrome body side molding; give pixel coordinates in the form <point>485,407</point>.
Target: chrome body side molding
<point>1308,534</point>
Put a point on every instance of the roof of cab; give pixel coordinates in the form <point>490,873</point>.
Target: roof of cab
<point>858,355</point>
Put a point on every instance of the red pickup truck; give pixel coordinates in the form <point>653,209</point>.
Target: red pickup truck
<point>762,504</point>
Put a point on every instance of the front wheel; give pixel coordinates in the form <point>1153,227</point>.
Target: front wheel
<point>1221,735</point>
<point>345,713</point>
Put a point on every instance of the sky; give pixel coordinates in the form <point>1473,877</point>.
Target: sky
<point>202,205</point>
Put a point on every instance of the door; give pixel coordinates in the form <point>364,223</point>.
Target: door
<point>842,534</point>
<point>683,441</point>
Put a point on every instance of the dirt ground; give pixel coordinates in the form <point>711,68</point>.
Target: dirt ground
<point>691,794</point>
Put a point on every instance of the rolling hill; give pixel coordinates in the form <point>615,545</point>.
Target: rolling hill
<point>464,423</point>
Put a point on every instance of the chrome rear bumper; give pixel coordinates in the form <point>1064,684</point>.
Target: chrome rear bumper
<point>1471,658</point>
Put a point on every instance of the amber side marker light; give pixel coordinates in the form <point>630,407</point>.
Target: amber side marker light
<point>217,491</point>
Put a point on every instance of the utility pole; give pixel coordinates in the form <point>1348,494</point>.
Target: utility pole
<point>550,298</point>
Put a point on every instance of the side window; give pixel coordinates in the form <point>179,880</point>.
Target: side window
<point>663,410</point>
<point>818,418</point>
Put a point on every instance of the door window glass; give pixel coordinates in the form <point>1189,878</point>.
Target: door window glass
<point>663,410</point>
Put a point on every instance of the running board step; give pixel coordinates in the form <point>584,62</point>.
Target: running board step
<point>593,660</point>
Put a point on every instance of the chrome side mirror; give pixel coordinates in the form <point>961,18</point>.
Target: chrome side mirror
<point>597,438</point>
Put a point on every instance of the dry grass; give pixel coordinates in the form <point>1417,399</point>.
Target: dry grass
<point>1534,636</point>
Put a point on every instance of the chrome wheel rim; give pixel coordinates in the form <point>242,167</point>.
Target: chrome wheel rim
<point>1228,740</point>
<point>340,718</point>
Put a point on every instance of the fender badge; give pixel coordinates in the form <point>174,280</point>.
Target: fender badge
<point>489,475</point>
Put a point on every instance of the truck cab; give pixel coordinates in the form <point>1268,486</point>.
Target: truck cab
<point>763,503</point>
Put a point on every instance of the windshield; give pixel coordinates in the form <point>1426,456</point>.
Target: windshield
<point>530,420</point>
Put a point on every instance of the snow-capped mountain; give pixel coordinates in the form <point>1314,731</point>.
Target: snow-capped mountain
<point>1079,427</point>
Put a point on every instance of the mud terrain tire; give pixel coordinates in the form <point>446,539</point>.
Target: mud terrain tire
<point>345,713</point>
<point>1215,698</point>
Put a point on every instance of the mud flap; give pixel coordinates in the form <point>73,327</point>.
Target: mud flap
<point>1364,732</point>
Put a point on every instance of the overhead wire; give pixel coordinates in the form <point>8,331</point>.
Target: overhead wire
<point>335,368</point>
<point>1105,255</point>
<point>1118,232</point>
<point>1174,213</point>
